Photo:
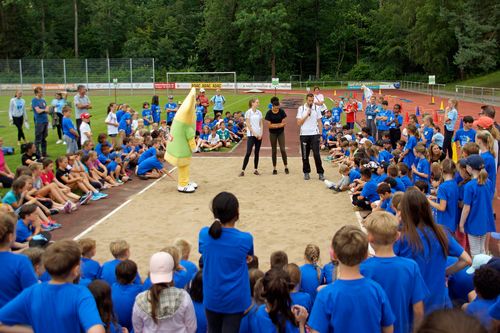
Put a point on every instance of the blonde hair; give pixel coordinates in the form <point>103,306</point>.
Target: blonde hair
<point>429,118</point>
<point>35,166</point>
<point>119,248</point>
<point>34,254</point>
<point>487,139</point>
<point>184,247</point>
<point>343,168</point>
<point>454,102</point>
<point>174,252</point>
<point>311,254</point>
<point>86,245</point>
<point>383,227</point>
<point>420,149</point>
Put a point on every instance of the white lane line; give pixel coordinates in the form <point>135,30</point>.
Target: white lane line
<point>151,185</point>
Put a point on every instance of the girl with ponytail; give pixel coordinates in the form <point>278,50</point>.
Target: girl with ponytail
<point>486,142</point>
<point>421,170</point>
<point>224,250</point>
<point>477,213</point>
<point>278,315</point>
<point>311,271</point>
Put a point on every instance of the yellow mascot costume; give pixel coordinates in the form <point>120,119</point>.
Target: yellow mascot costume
<point>182,144</point>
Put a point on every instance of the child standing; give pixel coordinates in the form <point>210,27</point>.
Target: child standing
<point>112,123</point>
<point>298,297</point>
<point>85,131</point>
<point>196,293</point>
<point>185,249</point>
<point>310,271</point>
<point>487,151</point>
<point>421,169</point>
<point>352,295</point>
<point>69,131</point>
<point>447,198</point>
<point>465,135</point>
<point>477,212</point>
<point>120,251</point>
<point>427,131</point>
<point>147,115</point>
<point>405,286</point>
<point>408,155</point>
<point>90,268</point>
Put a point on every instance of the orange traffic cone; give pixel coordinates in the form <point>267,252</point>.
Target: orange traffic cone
<point>441,107</point>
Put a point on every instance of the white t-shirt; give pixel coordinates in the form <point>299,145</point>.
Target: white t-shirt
<point>84,127</point>
<point>111,118</point>
<point>213,139</point>
<point>319,98</point>
<point>255,119</point>
<point>310,125</point>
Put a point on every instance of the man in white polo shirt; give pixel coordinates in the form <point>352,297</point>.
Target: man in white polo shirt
<point>309,121</point>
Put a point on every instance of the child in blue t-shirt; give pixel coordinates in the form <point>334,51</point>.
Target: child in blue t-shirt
<point>381,118</point>
<point>446,199</point>
<point>185,249</point>
<point>404,172</point>
<point>477,213</point>
<point>147,114</point>
<point>124,291</point>
<point>156,109</point>
<point>486,284</point>
<point>427,131</point>
<point>336,113</point>
<point>152,167</point>
<point>385,203</point>
<point>170,109</point>
<point>298,297</point>
<point>368,194</point>
<point>465,135</point>
<point>120,250</point>
<point>353,303</point>
<point>90,269</point>
<point>310,271</point>
<point>102,295</point>
<point>57,306</point>
<point>408,154</point>
<point>421,169</point>
<point>405,287</point>
<point>196,293</point>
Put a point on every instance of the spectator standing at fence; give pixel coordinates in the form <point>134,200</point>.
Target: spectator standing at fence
<point>218,101</point>
<point>18,116</point>
<point>450,116</point>
<point>82,105</point>
<point>58,103</point>
<point>203,101</point>
<point>39,106</point>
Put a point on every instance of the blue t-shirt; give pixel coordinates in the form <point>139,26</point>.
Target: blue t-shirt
<point>398,121</point>
<point>40,118</point>
<point>336,112</point>
<point>407,182</point>
<point>400,185</point>
<point>147,114</point>
<point>423,166</point>
<point>218,101</point>
<point>479,308</point>
<point>190,267</point>
<point>463,136</point>
<point>156,111</point>
<point>119,115</point>
<point>123,297</point>
<point>387,206</point>
<point>181,278</point>
<point>448,190</point>
<point>384,156</point>
<point>369,191</point>
<point>23,231</point>
<point>404,286</point>
<point>200,109</point>
<point>491,169</point>
<point>149,164</point>
<point>67,125</point>
<point>303,299</point>
<point>147,154</point>
<point>495,310</point>
<point>480,219</point>
<point>90,269</point>
<point>354,174</point>
<point>428,133</point>
<point>382,124</point>
<point>460,284</point>
<point>410,157</point>
<point>108,272</point>
<point>17,275</point>
<point>170,114</point>
<point>351,306</point>
<point>226,287</point>
<point>310,279</point>
<point>439,139</point>
<point>9,198</point>
<point>104,158</point>
<point>264,324</point>
<point>123,125</point>
<point>432,263</point>
<point>327,273</point>
<point>204,136</point>
<point>452,116</point>
<point>49,308</point>
<point>201,319</point>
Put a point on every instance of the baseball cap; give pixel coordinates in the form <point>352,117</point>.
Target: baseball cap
<point>348,137</point>
<point>475,161</point>
<point>484,122</point>
<point>478,261</point>
<point>85,115</point>
<point>161,268</point>
<point>202,89</point>
<point>462,162</point>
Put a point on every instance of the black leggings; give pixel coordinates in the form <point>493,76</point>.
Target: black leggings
<point>6,181</point>
<point>18,121</point>
<point>223,322</point>
<point>278,138</point>
<point>59,124</point>
<point>448,136</point>
<point>251,141</point>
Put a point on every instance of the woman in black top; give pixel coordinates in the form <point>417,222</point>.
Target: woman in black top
<point>276,120</point>
<point>30,154</point>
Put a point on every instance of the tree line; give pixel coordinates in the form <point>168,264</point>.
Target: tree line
<point>327,39</point>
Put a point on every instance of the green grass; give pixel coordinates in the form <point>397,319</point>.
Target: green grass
<point>234,102</point>
<point>491,80</point>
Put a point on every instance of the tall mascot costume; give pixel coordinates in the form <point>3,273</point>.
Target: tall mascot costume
<point>182,144</point>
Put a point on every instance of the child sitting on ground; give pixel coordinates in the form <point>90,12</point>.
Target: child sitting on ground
<point>75,182</point>
<point>35,254</point>
<point>278,260</point>
<point>352,295</point>
<point>405,286</point>
<point>310,271</point>
<point>224,135</point>
<point>214,141</point>
<point>385,202</point>
<point>120,250</point>
<point>298,297</point>
<point>28,229</point>
<point>89,268</point>
<point>343,183</point>
<point>152,167</point>
<point>369,194</point>
<point>102,296</point>
<point>185,249</point>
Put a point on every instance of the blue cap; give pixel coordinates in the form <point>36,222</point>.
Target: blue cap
<point>475,161</point>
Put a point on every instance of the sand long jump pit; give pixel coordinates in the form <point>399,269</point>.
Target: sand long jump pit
<point>283,212</point>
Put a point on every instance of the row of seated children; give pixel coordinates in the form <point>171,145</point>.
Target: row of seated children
<point>286,298</point>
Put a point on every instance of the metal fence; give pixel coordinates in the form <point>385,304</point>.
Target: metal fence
<point>56,74</point>
<point>423,87</point>
<point>484,94</point>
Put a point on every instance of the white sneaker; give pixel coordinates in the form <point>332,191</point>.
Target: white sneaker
<point>64,142</point>
<point>186,189</point>
<point>58,142</point>
<point>193,184</point>
<point>329,184</point>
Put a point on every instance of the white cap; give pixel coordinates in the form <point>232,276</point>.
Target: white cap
<point>161,268</point>
<point>363,140</point>
<point>202,89</point>
<point>478,261</point>
<point>348,137</point>
<point>327,123</point>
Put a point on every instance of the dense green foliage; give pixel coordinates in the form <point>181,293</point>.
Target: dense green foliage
<point>355,39</point>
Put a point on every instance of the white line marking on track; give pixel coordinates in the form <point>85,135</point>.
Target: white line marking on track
<point>151,185</point>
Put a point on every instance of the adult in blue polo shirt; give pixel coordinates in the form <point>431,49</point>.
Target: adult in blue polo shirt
<point>224,250</point>
<point>40,109</point>
<point>451,116</point>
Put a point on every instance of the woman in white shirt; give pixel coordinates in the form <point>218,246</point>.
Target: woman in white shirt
<point>254,122</point>
<point>17,115</point>
<point>319,100</point>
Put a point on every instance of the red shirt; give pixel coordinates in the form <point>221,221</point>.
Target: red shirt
<point>47,177</point>
<point>350,112</point>
<point>204,101</point>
